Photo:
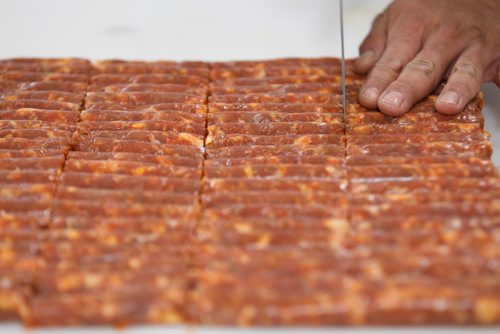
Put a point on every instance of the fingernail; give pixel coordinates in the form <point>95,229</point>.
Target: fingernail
<point>450,97</point>
<point>371,93</point>
<point>393,98</point>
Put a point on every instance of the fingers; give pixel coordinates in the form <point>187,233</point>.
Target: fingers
<point>401,48</point>
<point>464,81</point>
<point>372,47</point>
<point>421,75</point>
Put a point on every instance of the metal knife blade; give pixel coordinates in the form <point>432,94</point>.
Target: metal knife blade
<point>341,7</point>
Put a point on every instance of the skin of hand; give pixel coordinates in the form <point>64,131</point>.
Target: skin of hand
<point>415,44</point>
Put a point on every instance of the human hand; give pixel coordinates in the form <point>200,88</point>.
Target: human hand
<point>414,44</point>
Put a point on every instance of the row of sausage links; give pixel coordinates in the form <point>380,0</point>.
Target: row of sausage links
<point>313,102</point>
<point>74,82</point>
<point>398,186</point>
<point>193,68</point>
<point>352,119</point>
<point>480,168</point>
<point>235,139</point>
<point>56,96</point>
<point>333,239</point>
<point>475,149</point>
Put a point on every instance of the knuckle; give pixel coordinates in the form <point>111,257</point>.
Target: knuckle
<point>466,68</point>
<point>423,67</point>
<point>393,66</point>
<point>403,85</point>
<point>452,28</point>
<point>411,27</point>
<point>475,33</point>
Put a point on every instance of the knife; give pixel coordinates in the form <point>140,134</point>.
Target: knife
<point>341,5</point>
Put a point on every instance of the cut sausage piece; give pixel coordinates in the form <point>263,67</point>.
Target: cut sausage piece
<point>281,107</point>
<point>142,115</point>
<point>271,116</point>
<point>322,88</point>
<point>259,184</point>
<point>46,96</point>
<point>135,225</point>
<point>219,141</point>
<point>26,191</point>
<point>24,206</point>
<point>415,160</point>
<point>119,195</point>
<point>277,128</point>
<point>20,76</point>
<point>276,98</point>
<point>118,208</point>
<point>34,133</point>
<point>85,127</point>
<point>46,67</point>
<point>271,150</point>
<point>130,146</point>
<point>148,87</point>
<point>44,143</point>
<point>275,171</point>
<point>147,68</point>
<point>279,81</point>
<point>257,223</point>
<point>187,64</point>
<point>143,305</point>
<point>403,186</point>
<point>54,86</point>
<point>140,98</point>
<point>272,211</point>
<point>277,160</point>
<point>278,197</point>
<point>485,208</point>
<point>470,116</point>
<point>8,154</point>
<point>271,71</point>
<point>128,182</point>
<point>448,196</point>
<point>130,167</point>
<point>477,149</point>
<point>153,137</point>
<point>147,158</point>
<point>293,62</point>
<point>103,80</point>
<point>46,163</point>
<point>58,116</point>
<point>482,169</point>
<point>266,238</point>
<point>27,176</point>
<point>412,138</point>
<point>418,128</point>
<point>36,124</point>
<point>38,104</point>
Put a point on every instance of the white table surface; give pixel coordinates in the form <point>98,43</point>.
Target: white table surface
<point>200,30</point>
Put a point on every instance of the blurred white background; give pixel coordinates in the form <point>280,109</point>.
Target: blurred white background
<point>204,30</point>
